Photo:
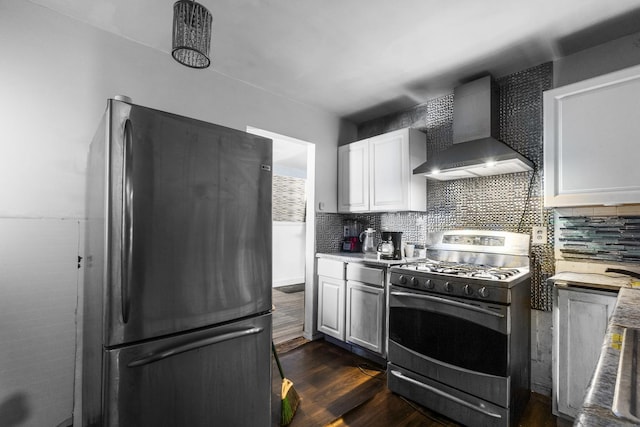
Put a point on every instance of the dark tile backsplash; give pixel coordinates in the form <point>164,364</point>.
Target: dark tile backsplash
<point>512,202</point>
<point>329,227</point>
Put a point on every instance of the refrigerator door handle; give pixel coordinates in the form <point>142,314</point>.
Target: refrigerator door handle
<point>155,356</point>
<point>127,220</point>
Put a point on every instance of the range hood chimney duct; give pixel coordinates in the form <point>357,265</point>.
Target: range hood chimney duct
<point>476,151</point>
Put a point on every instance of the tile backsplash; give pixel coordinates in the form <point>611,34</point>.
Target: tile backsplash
<point>600,238</point>
<point>289,198</point>
<point>329,227</point>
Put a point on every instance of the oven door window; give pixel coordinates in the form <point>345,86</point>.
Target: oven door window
<point>450,339</point>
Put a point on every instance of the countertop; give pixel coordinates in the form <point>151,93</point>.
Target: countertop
<point>605,281</point>
<point>365,259</point>
<point>596,409</point>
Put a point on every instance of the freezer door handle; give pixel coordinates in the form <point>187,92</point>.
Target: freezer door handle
<point>127,220</point>
<point>155,356</point>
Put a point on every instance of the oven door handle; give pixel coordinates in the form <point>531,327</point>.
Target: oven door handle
<point>447,301</point>
<point>441,393</point>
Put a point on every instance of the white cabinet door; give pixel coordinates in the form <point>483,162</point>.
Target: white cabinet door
<point>376,174</point>
<point>390,171</point>
<point>580,322</point>
<point>365,316</point>
<point>331,308</point>
<point>592,141</point>
<point>353,177</point>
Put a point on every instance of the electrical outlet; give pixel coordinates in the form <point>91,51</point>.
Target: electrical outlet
<point>539,235</point>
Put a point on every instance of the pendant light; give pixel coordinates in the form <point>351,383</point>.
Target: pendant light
<point>191,34</point>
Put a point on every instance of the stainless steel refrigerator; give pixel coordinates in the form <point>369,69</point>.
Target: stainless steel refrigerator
<point>176,326</point>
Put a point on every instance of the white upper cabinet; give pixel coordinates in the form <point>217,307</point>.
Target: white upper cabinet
<point>353,177</point>
<point>592,141</point>
<point>376,174</point>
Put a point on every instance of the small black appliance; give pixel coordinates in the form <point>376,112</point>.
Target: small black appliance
<point>396,238</point>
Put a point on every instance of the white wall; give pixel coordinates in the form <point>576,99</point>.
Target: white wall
<point>56,74</point>
<point>38,285</point>
<point>288,253</point>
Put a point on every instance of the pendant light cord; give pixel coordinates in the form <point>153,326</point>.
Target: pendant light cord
<point>528,199</point>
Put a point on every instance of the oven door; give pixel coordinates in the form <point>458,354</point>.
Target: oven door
<point>459,342</point>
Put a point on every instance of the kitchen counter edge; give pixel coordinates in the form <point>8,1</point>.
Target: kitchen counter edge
<point>355,257</point>
<point>596,409</point>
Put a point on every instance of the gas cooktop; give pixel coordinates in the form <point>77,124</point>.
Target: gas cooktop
<point>469,281</point>
<point>486,272</point>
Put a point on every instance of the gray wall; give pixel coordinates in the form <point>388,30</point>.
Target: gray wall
<point>595,61</point>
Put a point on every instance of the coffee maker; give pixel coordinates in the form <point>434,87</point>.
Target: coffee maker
<point>351,236</point>
<point>395,237</point>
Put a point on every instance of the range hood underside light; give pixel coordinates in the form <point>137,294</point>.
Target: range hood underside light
<point>476,150</point>
<point>486,157</point>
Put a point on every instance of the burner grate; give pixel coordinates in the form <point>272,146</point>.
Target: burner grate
<point>465,270</point>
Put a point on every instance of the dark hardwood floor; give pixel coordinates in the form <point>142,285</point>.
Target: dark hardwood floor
<point>339,389</point>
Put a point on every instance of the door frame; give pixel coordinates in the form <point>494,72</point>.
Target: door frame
<point>310,295</point>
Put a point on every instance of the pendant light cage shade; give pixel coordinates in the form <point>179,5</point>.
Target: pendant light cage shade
<point>191,34</point>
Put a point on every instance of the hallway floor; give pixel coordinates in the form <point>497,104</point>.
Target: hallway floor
<point>288,315</point>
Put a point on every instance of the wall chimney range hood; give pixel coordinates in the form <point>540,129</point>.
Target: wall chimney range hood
<point>475,151</point>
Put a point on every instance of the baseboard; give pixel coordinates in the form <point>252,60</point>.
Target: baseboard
<point>287,282</point>
<point>356,349</point>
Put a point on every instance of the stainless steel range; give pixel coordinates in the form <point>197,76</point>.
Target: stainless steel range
<point>459,327</point>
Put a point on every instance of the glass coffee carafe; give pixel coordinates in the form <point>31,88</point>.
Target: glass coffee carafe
<point>368,243</point>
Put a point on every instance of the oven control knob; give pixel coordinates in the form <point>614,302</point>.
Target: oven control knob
<point>468,290</point>
<point>414,282</point>
<point>429,284</point>
<point>402,279</point>
<point>484,292</point>
<point>448,287</point>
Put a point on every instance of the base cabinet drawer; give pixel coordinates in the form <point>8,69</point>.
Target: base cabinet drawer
<point>331,268</point>
<point>361,273</point>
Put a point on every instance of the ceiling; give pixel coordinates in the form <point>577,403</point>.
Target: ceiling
<point>361,59</point>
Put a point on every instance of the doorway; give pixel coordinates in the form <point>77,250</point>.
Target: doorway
<point>293,231</point>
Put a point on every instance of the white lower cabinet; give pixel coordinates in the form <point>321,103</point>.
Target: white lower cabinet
<point>365,316</point>
<point>351,303</point>
<point>331,311</point>
<point>580,322</point>
<point>331,295</point>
